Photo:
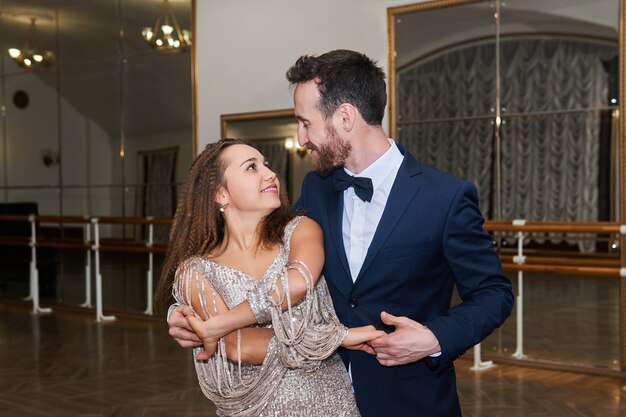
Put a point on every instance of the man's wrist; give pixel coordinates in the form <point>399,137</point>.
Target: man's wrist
<point>170,309</point>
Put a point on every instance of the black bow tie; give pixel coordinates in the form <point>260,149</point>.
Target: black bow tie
<point>363,187</point>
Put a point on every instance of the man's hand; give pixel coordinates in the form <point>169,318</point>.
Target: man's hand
<point>410,342</point>
<point>358,337</point>
<point>203,329</point>
<point>180,329</point>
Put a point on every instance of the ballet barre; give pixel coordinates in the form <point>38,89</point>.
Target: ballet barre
<point>148,247</point>
<point>96,247</point>
<point>520,263</point>
<point>518,230</point>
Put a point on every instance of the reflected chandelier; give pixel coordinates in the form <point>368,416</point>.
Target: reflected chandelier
<point>31,55</point>
<point>166,35</point>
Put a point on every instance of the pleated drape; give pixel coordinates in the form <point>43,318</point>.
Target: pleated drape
<point>550,162</point>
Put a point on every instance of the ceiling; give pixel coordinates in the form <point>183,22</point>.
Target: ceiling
<point>419,34</point>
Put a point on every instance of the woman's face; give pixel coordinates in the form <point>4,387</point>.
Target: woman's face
<point>250,185</point>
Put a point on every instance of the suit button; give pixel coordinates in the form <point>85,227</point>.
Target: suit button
<point>354,302</point>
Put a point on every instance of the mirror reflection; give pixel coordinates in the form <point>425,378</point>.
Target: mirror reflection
<point>97,118</point>
<point>521,97</point>
<point>274,134</point>
<point>546,70</point>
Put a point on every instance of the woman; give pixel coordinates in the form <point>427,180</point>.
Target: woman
<point>242,260</point>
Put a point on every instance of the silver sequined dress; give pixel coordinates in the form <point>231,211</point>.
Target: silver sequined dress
<point>302,374</point>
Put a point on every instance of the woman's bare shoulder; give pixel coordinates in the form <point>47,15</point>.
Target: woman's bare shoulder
<point>307,228</point>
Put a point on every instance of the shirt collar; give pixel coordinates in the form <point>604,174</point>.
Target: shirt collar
<point>379,169</point>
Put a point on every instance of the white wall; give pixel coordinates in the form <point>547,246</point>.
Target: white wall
<point>35,129</point>
<point>244,48</point>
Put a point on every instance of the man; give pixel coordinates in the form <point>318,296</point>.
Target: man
<point>398,236</point>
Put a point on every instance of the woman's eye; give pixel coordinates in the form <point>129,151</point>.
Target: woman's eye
<point>251,167</point>
<point>267,164</point>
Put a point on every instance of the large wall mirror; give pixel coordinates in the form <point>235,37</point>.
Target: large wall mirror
<point>274,134</point>
<point>97,116</point>
<point>522,98</point>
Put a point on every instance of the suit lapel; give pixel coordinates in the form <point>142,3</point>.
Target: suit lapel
<point>405,187</point>
<point>335,223</point>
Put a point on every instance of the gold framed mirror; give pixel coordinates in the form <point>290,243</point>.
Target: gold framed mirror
<point>107,127</point>
<point>524,99</point>
<point>274,133</point>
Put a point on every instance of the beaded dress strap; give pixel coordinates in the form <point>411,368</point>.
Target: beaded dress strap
<point>291,226</point>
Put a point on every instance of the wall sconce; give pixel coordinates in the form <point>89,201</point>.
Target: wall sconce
<point>293,144</point>
<point>50,157</point>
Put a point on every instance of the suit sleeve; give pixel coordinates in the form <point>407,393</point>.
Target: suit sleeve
<point>301,205</point>
<point>487,297</point>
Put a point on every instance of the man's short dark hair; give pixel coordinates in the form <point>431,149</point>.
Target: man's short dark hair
<point>344,76</point>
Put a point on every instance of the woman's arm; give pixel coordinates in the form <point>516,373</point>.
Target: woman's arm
<point>307,246</point>
<point>254,342</point>
<point>189,287</point>
<point>253,346</point>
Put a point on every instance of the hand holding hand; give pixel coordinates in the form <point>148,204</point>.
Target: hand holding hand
<point>209,333</point>
<point>410,342</point>
<point>358,337</point>
<point>180,329</point>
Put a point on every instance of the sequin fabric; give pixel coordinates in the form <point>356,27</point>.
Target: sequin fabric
<point>302,374</point>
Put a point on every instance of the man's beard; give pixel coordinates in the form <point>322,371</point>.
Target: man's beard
<point>331,155</point>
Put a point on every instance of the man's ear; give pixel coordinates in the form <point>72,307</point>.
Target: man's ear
<point>347,114</point>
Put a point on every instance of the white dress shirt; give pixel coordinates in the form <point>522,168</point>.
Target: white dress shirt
<point>360,218</point>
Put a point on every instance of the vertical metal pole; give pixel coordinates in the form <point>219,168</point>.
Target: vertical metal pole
<point>32,267</point>
<point>150,268</point>
<point>498,122</point>
<point>96,249</point>
<point>34,272</point>
<point>87,302</point>
<point>59,117</point>
<point>479,365</point>
<point>519,302</point>
<point>622,180</point>
<point>3,115</point>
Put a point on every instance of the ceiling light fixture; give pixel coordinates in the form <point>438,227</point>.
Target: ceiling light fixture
<point>31,55</point>
<point>166,35</point>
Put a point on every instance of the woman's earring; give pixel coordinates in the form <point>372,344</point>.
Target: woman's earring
<point>223,207</point>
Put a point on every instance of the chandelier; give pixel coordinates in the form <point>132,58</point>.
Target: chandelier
<point>31,55</point>
<point>166,35</point>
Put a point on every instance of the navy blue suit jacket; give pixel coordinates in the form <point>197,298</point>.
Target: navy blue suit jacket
<point>429,240</point>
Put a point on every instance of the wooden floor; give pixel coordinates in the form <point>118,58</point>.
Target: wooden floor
<point>66,364</point>
<point>571,320</point>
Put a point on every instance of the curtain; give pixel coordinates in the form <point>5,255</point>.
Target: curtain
<point>452,86</point>
<point>550,162</point>
<point>276,154</point>
<point>157,192</point>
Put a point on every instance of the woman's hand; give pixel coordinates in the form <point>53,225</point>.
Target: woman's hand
<point>180,329</point>
<point>209,332</point>
<point>358,337</point>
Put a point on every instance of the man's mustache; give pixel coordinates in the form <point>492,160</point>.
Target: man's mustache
<point>311,146</point>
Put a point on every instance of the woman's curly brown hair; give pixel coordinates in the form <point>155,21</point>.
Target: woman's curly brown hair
<point>198,227</point>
